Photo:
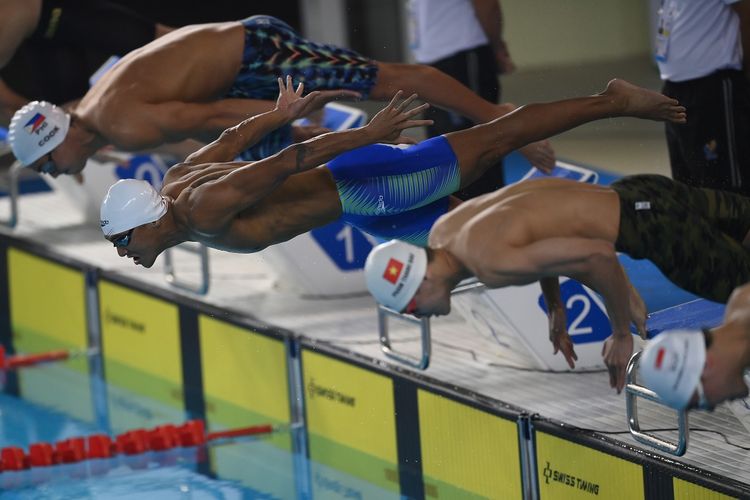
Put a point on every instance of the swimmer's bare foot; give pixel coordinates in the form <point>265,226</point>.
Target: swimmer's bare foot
<point>644,103</point>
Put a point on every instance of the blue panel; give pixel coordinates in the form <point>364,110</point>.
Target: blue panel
<point>586,320</point>
<point>346,246</point>
<point>691,315</point>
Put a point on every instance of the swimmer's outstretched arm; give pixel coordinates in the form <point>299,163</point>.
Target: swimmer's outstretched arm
<point>290,106</point>
<point>227,194</point>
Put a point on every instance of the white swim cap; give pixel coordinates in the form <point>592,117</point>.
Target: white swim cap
<point>394,271</point>
<point>130,203</point>
<point>672,364</point>
<point>36,129</point>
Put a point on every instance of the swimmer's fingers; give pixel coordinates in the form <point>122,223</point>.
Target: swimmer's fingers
<point>414,111</point>
<point>561,342</point>
<point>570,354</point>
<point>540,154</point>
<point>394,101</point>
<point>405,103</point>
<point>281,85</point>
<point>617,351</point>
<point>414,123</point>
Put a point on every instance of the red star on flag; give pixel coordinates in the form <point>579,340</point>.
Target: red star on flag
<point>393,270</point>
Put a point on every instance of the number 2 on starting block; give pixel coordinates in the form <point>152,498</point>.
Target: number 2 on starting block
<point>586,320</point>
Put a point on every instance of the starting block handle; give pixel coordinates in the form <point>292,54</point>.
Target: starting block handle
<point>13,174</point>
<point>632,392</point>
<point>423,361</point>
<point>420,363</point>
<point>170,275</point>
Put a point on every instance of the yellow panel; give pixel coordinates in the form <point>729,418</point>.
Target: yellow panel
<point>350,419</point>
<point>568,470</point>
<point>684,490</point>
<point>141,342</point>
<point>48,300</point>
<point>350,405</point>
<point>48,312</point>
<point>245,369</point>
<point>465,450</point>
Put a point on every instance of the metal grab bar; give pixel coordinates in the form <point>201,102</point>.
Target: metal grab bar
<point>632,392</point>
<point>420,363</point>
<point>423,361</point>
<point>201,288</point>
<point>13,173</point>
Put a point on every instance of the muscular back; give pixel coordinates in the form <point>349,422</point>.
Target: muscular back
<point>302,202</point>
<point>194,64</point>
<point>527,212</point>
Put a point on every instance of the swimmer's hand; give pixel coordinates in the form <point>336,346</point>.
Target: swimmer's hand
<point>540,154</point>
<point>387,125</point>
<point>617,350</point>
<point>558,335</point>
<point>293,105</point>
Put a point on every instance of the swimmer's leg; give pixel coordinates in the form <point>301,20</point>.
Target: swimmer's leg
<point>480,147</point>
<point>700,258</point>
<point>435,87</point>
<point>727,211</point>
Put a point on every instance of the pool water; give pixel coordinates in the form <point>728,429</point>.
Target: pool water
<point>262,467</point>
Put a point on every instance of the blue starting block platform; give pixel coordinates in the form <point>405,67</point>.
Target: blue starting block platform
<point>699,313</point>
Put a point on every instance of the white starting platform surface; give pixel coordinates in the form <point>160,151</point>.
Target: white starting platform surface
<point>468,350</point>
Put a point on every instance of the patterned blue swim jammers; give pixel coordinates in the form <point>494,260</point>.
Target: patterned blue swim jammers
<point>273,49</point>
<point>396,192</point>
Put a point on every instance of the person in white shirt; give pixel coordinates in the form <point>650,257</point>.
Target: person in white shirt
<point>463,38</point>
<point>699,49</point>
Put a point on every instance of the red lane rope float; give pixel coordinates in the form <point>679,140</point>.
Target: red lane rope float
<point>21,360</point>
<point>11,362</point>
<point>133,442</point>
